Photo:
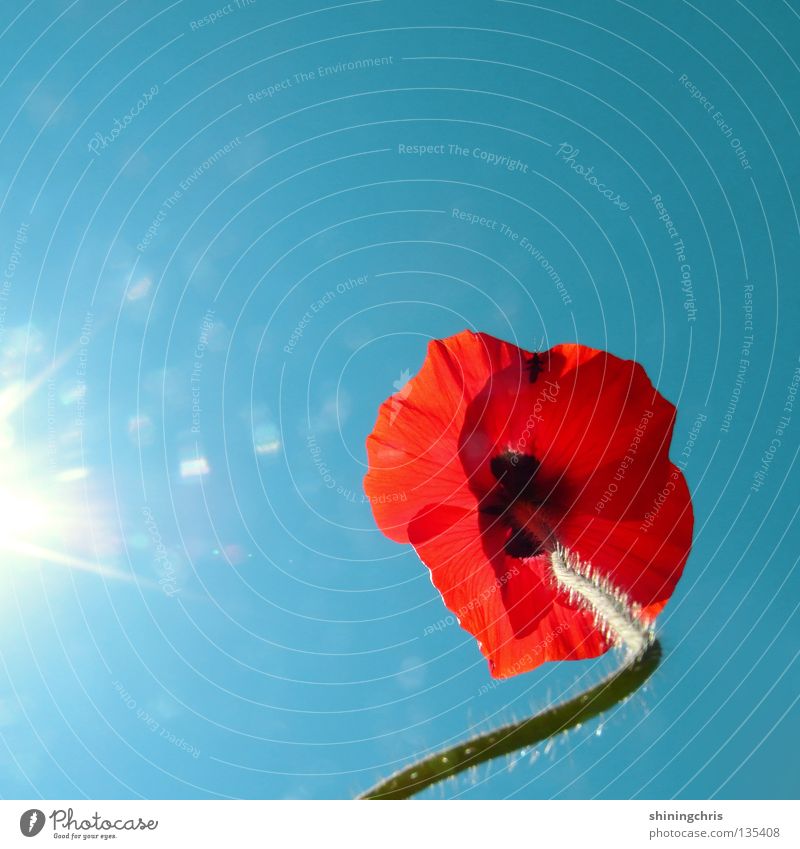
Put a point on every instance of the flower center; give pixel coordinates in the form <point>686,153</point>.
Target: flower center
<point>516,501</point>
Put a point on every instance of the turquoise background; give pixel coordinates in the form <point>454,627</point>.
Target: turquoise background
<point>250,633</point>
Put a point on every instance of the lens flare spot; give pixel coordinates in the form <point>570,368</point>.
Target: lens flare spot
<point>73,394</point>
<point>234,554</point>
<point>140,289</point>
<point>195,467</point>
<point>141,430</point>
<point>266,439</point>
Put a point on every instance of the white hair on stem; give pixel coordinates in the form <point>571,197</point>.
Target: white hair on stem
<point>614,613</point>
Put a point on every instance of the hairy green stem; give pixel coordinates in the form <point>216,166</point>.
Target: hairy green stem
<point>519,735</point>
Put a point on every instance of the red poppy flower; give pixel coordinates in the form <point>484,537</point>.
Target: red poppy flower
<point>538,490</point>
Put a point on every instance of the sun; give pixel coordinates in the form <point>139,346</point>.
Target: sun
<point>29,509</point>
<point>36,515</point>
<point>21,515</point>
<point>40,506</point>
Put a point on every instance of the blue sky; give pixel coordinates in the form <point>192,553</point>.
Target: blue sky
<point>223,248</point>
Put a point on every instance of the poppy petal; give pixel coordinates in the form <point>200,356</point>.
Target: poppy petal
<point>600,434</point>
<point>578,418</point>
<point>413,449</point>
<point>643,553</point>
<point>510,605</point>
<point>492,457</point>
<point>604,405</point>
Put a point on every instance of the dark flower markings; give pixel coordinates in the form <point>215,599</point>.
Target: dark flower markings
<point>515,474</point>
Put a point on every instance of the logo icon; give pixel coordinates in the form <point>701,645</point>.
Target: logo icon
<point>31,822</point>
